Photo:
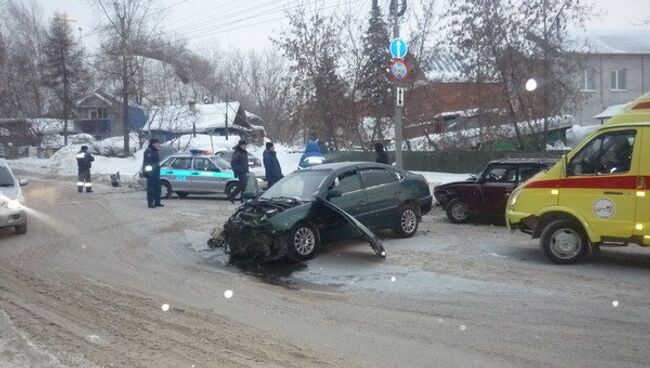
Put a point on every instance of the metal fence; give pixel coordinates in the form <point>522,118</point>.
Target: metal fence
<point>452,162</point>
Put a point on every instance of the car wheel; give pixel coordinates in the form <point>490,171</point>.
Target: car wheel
<point>230,188</point>
<point>302,242</point>
<point>408,223</point>
<point>165,190</point>
<point>21,229</point>
<point>458,211</point>
<point>182,194</point>
<point>564,242</point>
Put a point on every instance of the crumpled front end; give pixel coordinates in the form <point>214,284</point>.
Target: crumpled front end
<point>249,237</point>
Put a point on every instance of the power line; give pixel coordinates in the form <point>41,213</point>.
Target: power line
<point>220,28</point>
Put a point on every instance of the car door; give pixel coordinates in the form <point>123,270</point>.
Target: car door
<point>384,197</point>
<point>601,182</point>
<point>496,185</point>
<point>353,198</point>
<point>179,174</point>
<point>207,177</point>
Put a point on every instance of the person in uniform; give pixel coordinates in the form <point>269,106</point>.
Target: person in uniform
<point>151,171</point>
<point>239,165</point>
<point>84,163</point>
<point>272,165</point>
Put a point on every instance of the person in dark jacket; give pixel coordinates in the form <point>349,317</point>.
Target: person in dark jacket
<point>382,155</point>
<point>84,163</point>
<point>272,165</point>
<point>239,165</point>
<point>312,149</point>
<point>151,171</point>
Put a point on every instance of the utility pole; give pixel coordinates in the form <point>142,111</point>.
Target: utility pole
<point>397,11</point>
<point>227,107</point>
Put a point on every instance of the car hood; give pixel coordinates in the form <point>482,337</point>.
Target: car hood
<point>10,192</point>
<point>455,184</point>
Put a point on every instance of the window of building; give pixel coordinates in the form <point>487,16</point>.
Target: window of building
<point>618,80</point>
<point>588,82</point>
<point>98,114</point>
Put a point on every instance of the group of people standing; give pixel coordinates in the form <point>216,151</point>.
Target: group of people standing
<point>239,164</point>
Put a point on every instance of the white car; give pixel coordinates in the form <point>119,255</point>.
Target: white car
<point>12,208</point>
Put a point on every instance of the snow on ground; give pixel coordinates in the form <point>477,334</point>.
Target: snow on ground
<point>18,352</point>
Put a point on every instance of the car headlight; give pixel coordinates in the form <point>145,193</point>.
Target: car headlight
<point>12,204</point>
<point>514,197</point>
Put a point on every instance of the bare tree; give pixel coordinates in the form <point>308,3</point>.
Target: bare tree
<point>509,41</point>
<point>312,44</point>
<point>23,30</point>
<point>126,29</point>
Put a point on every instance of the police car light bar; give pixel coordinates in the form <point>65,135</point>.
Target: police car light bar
<point>200,152</point>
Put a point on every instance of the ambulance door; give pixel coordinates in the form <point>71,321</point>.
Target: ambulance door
<point>601,183</point>
<point>643,192</point>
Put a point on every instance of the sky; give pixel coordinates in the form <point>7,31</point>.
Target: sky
<point>248,24</point>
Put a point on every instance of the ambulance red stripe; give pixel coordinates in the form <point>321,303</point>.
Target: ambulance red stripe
<point>602,182</point>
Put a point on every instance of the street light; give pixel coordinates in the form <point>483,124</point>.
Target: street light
<point>531,85</point>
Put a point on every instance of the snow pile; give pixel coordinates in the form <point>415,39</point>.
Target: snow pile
<point>205,142</point>
<point>183,118</point>
<point>578,133</point>
<point>557,146</point>
<point>114,146</point>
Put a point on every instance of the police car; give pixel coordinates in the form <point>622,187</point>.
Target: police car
<point>197,172</point>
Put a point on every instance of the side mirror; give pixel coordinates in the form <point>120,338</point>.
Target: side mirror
<point>23,182</point>
<point>334,193</point>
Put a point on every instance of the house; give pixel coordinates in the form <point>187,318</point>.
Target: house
<point>100,115</point>
<point>616,70</point>
<point>219,119</point>
<point>16,137</point>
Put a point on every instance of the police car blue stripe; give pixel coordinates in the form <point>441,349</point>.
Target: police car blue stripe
<point>197,173</point>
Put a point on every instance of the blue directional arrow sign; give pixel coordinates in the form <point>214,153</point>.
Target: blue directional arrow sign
<point>398,48</point>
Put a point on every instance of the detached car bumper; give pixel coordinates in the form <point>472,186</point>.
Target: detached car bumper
<point>517,220</point>
<point>9,218</point>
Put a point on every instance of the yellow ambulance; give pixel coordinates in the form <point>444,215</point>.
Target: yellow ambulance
<point>598,194</point>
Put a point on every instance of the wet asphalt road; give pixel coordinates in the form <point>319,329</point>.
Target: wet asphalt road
<point>87,283</point>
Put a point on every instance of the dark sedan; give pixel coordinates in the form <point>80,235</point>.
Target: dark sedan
<point>487,194</point>
<point>295,217</point>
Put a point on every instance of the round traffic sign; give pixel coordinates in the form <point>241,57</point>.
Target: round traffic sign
<point>398,48</point>
<point>399,70</point>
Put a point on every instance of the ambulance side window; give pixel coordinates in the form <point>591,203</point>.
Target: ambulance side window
<point>607,154</point>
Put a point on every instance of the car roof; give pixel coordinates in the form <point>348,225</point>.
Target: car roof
<point>525,161</point>
<point>344,165</point>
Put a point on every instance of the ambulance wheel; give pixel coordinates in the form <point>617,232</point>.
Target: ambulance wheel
<point>165,190</point>
<point>182,194</point>
<point>458,211</point>
<point>564,242</point>
<point>302,242</point>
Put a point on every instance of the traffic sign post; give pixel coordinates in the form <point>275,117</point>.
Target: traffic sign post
<point>399,70</point>
<point>398,48</point>
<point>400,96</point>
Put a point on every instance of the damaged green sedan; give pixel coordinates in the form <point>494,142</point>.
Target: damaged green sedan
<point>322,204</point>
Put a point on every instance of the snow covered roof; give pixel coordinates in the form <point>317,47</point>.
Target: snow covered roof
<point>207,117</point>
<point>614,42</point>
<point>611,111</point>
<point>445,66</point>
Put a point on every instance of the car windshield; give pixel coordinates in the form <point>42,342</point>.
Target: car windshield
<point>6,179</point>
<point>301,186</point>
